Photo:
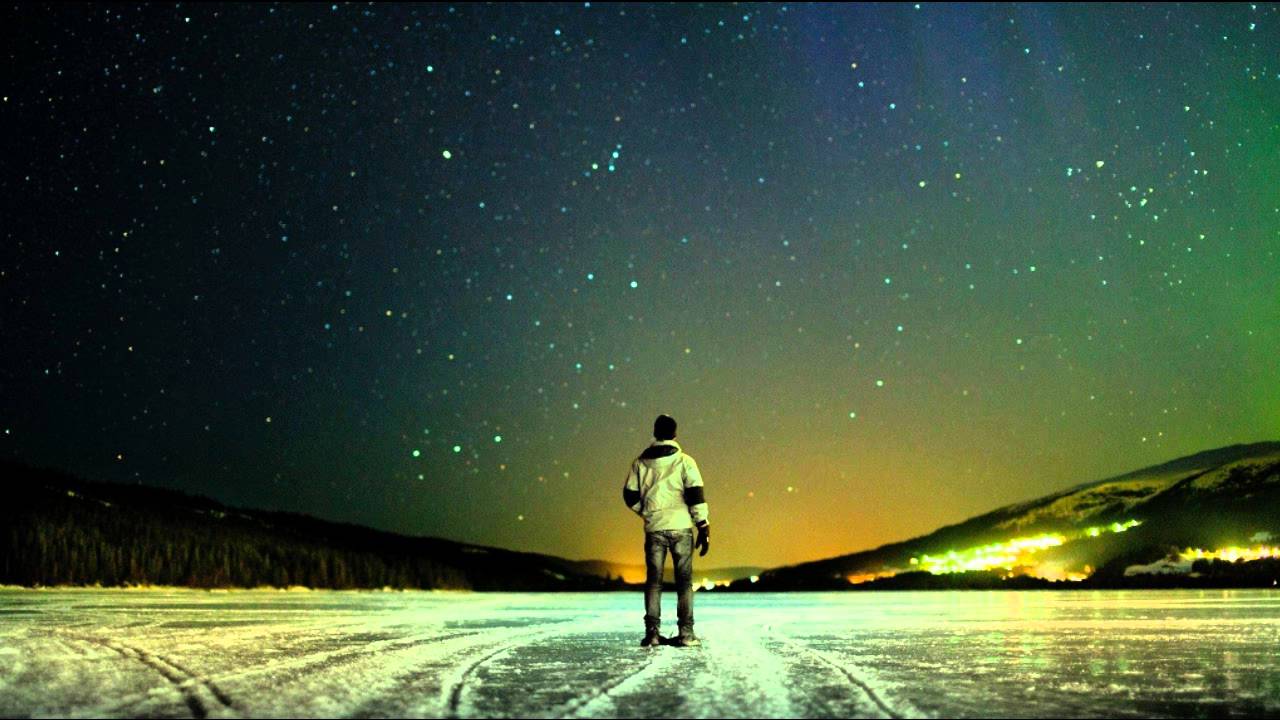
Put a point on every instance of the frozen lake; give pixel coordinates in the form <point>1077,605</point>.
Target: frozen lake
<point>261,653</point>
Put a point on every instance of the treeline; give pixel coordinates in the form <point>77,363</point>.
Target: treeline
<point>913,580</point>
<point>1204,574</point>
<point>57,530</point>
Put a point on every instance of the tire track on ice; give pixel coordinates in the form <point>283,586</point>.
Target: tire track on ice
<point>843,670</point>
<point>657,661</point>
<point>330,660</point>
<point>404,690</point>
<point>187,683</point>
<point>456,689</point>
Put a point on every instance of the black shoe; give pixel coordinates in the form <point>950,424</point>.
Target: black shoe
<point>651,639</point>
<point>687,639</point>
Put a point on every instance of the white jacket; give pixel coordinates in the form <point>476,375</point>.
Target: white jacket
<point>665,488</point>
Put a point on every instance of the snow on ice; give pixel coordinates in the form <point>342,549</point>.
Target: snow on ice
<point>184,653</point>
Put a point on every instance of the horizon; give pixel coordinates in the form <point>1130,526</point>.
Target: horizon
<point>435,270</point>
<point>702,568</point>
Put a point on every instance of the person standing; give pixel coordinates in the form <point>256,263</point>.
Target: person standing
<point>665,488</point>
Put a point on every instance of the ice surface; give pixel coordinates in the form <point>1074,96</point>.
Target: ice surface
<point>177,653</point>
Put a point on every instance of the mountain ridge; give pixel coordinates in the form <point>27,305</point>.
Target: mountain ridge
<point>62,530</point>
<point>128,534</point>
<point>47,502</point>
<point>1061,518</point>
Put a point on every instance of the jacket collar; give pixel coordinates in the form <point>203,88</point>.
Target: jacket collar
<point>660,449</point>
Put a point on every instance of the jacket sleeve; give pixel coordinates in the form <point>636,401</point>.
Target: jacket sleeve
<point>631,489</point>
<point>694,496</point>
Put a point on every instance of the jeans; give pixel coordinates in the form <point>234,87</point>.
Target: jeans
<point>656,545</point>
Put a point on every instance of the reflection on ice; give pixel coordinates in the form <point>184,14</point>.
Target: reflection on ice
<point>211,654</point>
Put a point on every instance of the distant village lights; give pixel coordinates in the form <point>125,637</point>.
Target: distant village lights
<point>1006,555</point>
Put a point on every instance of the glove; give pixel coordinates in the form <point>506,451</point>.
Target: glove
<point>704,539</point>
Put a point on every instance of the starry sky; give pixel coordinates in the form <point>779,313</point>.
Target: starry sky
<point>436,269</point>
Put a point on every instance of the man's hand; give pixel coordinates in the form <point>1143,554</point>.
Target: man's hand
<point>704,539</point>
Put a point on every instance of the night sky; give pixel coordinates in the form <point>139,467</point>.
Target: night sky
<point>437,269</point>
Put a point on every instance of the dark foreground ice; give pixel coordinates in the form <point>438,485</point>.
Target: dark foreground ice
<point>181,653</point>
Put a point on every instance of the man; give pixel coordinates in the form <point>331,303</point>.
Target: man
<point>665,488</point>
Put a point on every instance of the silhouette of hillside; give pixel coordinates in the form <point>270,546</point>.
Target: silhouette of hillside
<point>1213,499</point>
<point>56,529</point>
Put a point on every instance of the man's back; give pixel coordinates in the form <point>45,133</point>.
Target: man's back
<point>664,486</point>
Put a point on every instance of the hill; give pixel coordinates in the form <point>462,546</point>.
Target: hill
<point>1219,504</point>
<point>59,530</point>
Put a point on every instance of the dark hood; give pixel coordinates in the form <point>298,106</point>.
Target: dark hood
<point>657,451</point>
